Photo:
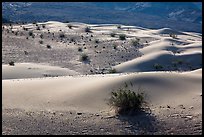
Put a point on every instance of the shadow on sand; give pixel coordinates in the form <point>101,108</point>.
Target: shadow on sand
<point>141,122</point>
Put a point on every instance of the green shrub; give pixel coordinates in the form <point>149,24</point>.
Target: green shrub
<point>41,42</point>
<point>11,63</point>
<point>49,47</point>
<point>69,26</point>
<point>119,26</point>
<point>79,49</point>
<point>135,42</point>
<point>122,37</point>
<point>61,35</point>
<point>30,33</point>
<point>174,36</point>
<point>84,57</point>
<point>87,29</point>
<point>112,70</point>
<point>96,41</point>
<point>114,46</point>
<point>125,100</point>
<point>158,66</point>
<point>112,34</point>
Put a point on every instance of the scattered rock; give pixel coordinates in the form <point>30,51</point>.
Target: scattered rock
<point>79,113</point>
<point>168,106</point>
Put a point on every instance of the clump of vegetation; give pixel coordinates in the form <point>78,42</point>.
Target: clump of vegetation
<point>114,46</point>
<point>122,37</point>
<point>87,29</point>
<point>113,70</point>
<point>119,26</point>
<point>49,47</point>
<point>135,42</point>
<point>158,66</point>
<point>84,57</point>
<point>79,49</point>
<point>41,42</point>
<point>30,33</point>
<point>174,36</point>
<point>112,34</point>
<point>96,41</point>
<point>26,29</point>
<point>69,26</point>
<point>43,26</point>
<point>61,35</point>
<point>38,28</point>
<point>41,36</point>
<point>11,63</point>
<point>177,62</point>
<point>126,100</point>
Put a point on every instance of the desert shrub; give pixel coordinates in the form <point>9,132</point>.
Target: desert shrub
<point>69,26</point>
<point>126,100</point>
<point>96,41</point>
<point>112,34</point>
<point>84,57</point>
<point>61,35</point>
<point>49,47</point>
<point>174,36</point>
<point>79,49</point>
<point>11,63</point>
<point>43,26</point>
<point>41,42</point>
<point>30,33</point>
<point>122,37</point>
<point>119,26</point>
<point>113,70</point>
<point>135,42</point>
<point>37,28</point>
<point>158,66</point>
<point>41,36</point>
<point>87,29</point>
<point>114,46</point>
<point>177,62</point>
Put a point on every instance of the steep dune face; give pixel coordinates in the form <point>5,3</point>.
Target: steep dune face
<point>168,53</point>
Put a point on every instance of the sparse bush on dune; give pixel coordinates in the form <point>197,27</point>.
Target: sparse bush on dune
<point>135,42</point>
<point>84,57</point>
<point>41,42</point>
<point>113,70</point>
<point>69,26</point>
<point>119,26</point>
<point>41,36</point>
<point>87,29</point>
<point>114,46</point>
<point>96,41</point>
<point>30,33</point>
<point>49,47</point>
<point>122,37</point>
<point>11,63</point>
<point>79,49</point>
<point>112,34</point>
<point>158,66</point>
<point>62,35</point>
<point>125,100</point>
<point>174,36</point>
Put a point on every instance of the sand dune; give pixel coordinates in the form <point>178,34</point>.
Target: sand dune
<point>89,93</point>
<point>39,86</point>
<point>32,70</point>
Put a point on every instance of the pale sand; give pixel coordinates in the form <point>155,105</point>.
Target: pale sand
<point>26,86</point>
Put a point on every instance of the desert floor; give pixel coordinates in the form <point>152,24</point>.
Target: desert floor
<point>50,90</point>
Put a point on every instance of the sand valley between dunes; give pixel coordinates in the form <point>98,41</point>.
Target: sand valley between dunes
<point>50,90</point>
